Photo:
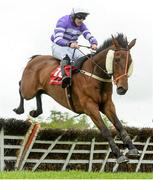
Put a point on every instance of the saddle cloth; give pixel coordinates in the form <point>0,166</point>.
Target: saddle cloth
<point>56,75</point>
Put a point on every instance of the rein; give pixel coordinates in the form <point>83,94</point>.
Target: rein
<point>102,79</point>
<point>91,74</point>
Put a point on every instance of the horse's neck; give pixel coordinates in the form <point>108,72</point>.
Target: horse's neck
<point>100,58</point>
<point>99,61</point>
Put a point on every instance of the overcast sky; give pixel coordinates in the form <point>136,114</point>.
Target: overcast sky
<point>26,27</point>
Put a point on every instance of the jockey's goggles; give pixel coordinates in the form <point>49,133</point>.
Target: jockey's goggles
<point>80,16</point>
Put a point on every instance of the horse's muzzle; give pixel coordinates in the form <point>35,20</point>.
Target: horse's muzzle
<point>121,91</point>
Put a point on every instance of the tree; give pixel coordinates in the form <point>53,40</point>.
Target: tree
<point>64,120</point>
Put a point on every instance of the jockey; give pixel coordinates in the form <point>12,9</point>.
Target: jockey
<point>66,33</point>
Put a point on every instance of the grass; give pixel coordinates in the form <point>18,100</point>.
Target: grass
<point>72,175</point>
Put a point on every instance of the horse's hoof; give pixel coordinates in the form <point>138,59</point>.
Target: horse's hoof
<point>122,159</point>
<point>133,152</point>
<point>34,113</point>
<point>18,110</point>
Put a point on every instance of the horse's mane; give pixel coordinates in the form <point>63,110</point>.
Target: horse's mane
<point>121,39</point>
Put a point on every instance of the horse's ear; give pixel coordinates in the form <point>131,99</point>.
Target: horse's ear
<point>114,42</point>
<point>131,44</point>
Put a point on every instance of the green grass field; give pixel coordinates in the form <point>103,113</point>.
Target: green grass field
<point>72,175</point>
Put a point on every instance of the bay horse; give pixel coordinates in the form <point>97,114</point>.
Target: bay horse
<point>91,88</point>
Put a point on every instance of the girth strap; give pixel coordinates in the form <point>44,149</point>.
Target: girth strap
<point>69,98</point>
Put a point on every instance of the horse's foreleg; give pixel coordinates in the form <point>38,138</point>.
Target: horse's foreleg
<point>93,111</point>
<point>109,111</point>
<point>20,109</point>
<point>38,111</point>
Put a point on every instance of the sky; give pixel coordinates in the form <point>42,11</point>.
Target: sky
<point>26,27</point>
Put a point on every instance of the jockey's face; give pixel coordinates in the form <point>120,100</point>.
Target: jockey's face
<point>78,21</point>
<point>79,18</point>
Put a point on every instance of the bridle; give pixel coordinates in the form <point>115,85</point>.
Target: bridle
<point>126,66</point>
<point>91,74</point>
<point>109,75</point>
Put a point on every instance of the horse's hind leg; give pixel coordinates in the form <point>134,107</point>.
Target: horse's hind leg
<point>38,111</point>
<point>20,109</point>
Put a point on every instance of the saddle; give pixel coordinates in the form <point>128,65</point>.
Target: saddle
<point>56,75</point>
<point>79,62</point>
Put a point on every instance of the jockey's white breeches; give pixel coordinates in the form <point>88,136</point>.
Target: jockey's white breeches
<point>60,52</point>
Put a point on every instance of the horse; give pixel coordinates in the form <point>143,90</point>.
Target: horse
<point>91,89</point>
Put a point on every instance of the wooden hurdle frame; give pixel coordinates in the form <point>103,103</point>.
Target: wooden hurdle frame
<point>29,140</point>
<point>27,145</point>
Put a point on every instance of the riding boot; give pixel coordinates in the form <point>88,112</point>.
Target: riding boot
<point>65,78</point>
